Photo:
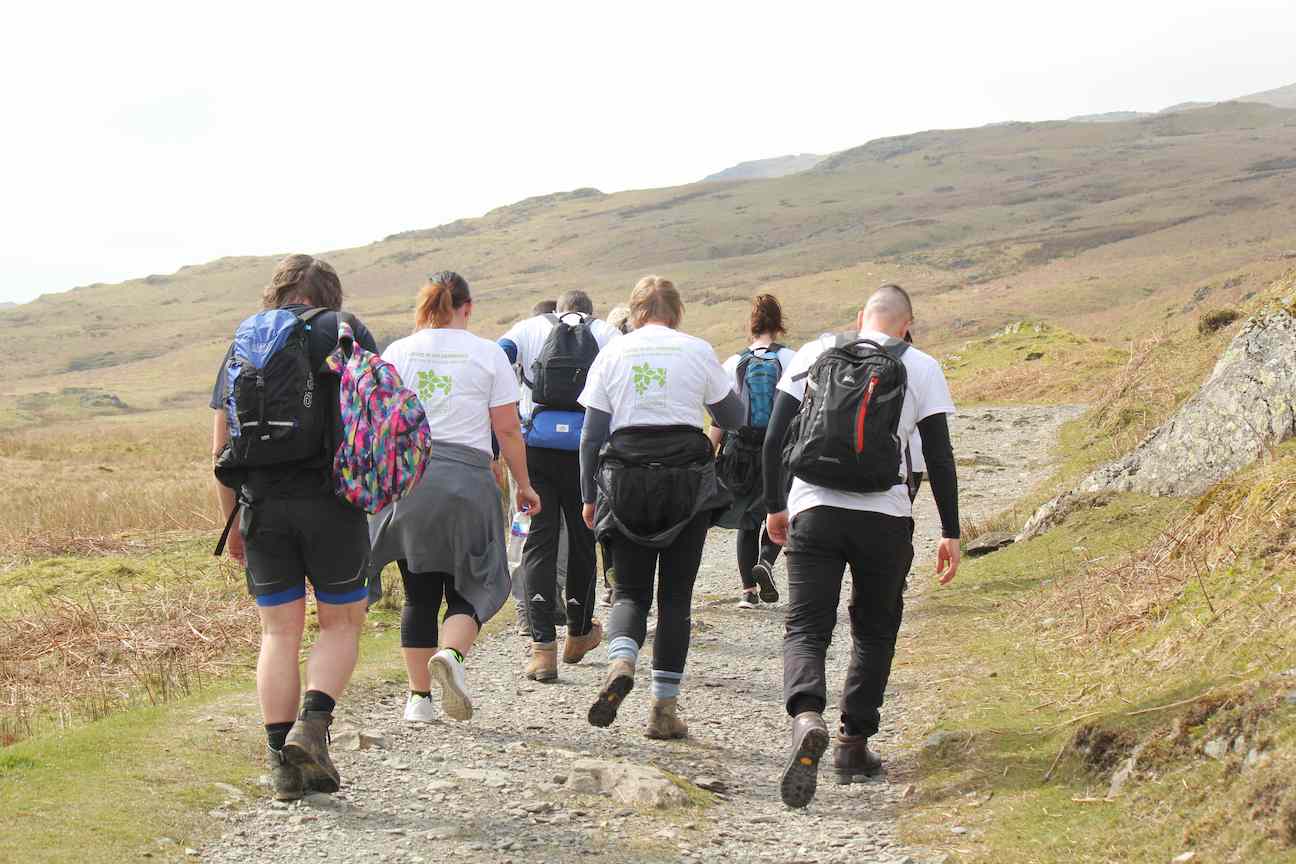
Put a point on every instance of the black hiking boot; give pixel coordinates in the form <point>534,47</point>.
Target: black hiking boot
<point>620,681</point>
<point>853,761</point>
<point>763,573</point>
<point>801,776</point>
<point>285,778</point>
<point>307,749</point>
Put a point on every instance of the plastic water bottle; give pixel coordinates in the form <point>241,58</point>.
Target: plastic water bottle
<point>518,532</point>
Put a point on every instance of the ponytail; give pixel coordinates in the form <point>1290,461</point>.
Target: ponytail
<point>439,298</point>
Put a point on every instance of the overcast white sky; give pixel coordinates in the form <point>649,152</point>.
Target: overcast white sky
<point>139,137</point>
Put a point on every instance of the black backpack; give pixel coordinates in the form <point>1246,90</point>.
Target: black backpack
<point>846,436</point>
<point>274,408</point>
<point>564,363</point>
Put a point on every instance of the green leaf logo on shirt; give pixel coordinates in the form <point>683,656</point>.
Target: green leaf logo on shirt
<point>645,376</point>
<point>429,383</point>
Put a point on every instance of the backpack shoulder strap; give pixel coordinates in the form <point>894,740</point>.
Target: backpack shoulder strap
<point>896,347</point>
<point>552,318</point>
<point>311,314</point>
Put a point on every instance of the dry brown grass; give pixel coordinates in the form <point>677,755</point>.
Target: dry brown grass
<point>1221,556</point>
<point>67,660</point>
<point>85,485</point>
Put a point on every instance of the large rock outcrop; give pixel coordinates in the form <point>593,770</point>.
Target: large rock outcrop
<point>1246,405</point>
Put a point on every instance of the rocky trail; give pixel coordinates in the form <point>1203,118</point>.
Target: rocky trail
<point>528,780</point>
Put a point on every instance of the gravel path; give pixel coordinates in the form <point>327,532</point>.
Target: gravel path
<point>491,790</point>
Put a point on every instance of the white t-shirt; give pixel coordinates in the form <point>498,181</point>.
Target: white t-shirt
<point>927,394</point>
<point>656,376</point>
<point>458,377</point>
<point>917,462</point>
<point>530,334</point>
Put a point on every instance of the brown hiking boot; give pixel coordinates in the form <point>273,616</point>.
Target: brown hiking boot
<point>543,665</point>
<point>801,776</point>
<point>620,681</point>
<point>576,647</point>
<point>307,748</point>
<point>285,778</point>
<point>664,723</point>
<point>853,761</point>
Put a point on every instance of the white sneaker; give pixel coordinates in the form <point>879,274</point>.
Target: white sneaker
<point>448,672</point>
<point>419,709</point>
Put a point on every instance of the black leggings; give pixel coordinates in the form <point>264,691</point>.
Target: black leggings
<point>753,544</point>
<point>422,610</point>
<point>636,571</point>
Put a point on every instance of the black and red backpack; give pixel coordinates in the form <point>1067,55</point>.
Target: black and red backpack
<point>846,436</point>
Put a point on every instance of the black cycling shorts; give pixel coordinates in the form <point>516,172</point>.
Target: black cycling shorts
<point>290,540</point>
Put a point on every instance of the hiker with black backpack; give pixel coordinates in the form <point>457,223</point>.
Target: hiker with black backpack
<point>756,372</point>
<point>555,352</point>
<point>652,492</point>
<point>277,426</point>
<point>447,535</point>
<point>846,410</point>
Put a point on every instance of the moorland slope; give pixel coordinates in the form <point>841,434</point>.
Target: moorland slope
<point>1109,227</point>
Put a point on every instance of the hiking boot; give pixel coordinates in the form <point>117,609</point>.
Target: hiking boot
<point>543,665</point>
<point>576,647</point>
<point>419,709</point>
<point>749,600</point>
<point>801,776</point>
<point>853,761</point>
<point>448,671</point>
<point>664,723</point>
<point>307,749</point>
<point>620,681</point>
<point>763,573</point>
<point>285,778</point>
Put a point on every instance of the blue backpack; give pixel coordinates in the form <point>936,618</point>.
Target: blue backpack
<point>759,372</point>
<point>738,465</point>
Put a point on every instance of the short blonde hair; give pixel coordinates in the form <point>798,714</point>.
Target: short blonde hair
<point>656,299</point>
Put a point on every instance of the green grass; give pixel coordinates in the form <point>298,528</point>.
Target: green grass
<point>1031,363</point>
<point>1089,634</point>
<point>107,791</point>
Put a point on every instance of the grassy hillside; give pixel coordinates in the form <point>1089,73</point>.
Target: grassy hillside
<point>1121,687</point>
<point>1103,228</point>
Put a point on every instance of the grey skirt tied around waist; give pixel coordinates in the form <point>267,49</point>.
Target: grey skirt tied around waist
<point>451,522</point>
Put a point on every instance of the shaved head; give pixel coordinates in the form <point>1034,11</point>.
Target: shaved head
<point>889,310</point>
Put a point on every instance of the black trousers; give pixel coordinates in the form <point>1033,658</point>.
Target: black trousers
<point>674,569</point>
<point>754,544</point>
<point>422,610</point>
<point>555,475</point>
<point>878,548</point>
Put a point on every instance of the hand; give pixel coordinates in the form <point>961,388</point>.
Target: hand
<point>588,512</point>
<point>234,546</point>
<point>776,525</point>
<point>528,501</point>
<point>947,560</point>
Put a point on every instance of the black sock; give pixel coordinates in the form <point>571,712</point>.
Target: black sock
<point>426,694</point>
<point>277,733</point>
<point>802,703</point>
<point>317,700</point>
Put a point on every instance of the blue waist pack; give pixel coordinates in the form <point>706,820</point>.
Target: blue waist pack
<point>554,430</point>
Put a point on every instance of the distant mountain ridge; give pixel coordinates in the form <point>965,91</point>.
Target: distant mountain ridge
<point>764,169</point>
<point>1279,97</point>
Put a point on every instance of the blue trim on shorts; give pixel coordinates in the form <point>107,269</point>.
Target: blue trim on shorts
<point>279,598</point>
<point>340,599</point>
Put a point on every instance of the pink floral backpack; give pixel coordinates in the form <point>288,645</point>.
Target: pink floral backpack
<point>385,436</point>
